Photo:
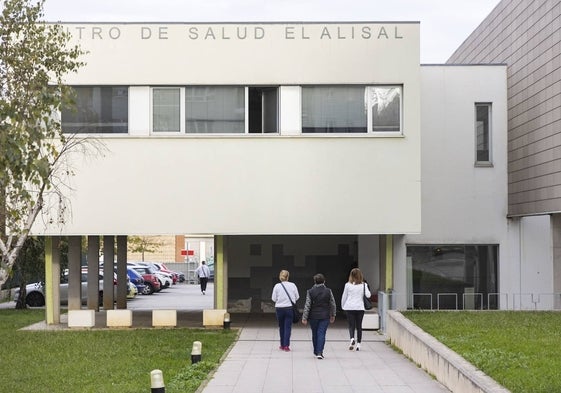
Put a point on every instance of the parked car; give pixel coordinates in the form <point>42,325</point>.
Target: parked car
<point>136,279</point>
<point>151,282</point>
<point>35,292</point>
<point>163,268</point>
<point>132,291</point>
<point>165,279</point>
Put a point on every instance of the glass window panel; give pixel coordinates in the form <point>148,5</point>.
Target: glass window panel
<point>166,110</point>
<point>97,110</point>
<point>385,108</point>
<point>465,274</point>
<point>482,113</point>
<point>214,109</point>
<point>333,109</point>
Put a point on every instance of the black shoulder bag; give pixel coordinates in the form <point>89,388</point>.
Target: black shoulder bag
<point>367,302</point>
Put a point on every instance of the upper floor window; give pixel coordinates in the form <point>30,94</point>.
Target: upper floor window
<point>482,133</point>
<point>97,110</point>
<point>351,109</point>
<point>214,109</point>
<point>166,113</point>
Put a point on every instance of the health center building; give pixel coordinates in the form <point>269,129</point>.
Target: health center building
<point>310,147</point>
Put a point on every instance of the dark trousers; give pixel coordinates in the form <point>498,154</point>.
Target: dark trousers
<point>354,319</point>
<point>203,281</point>
<point>284,317</point>
<point>319,330</point>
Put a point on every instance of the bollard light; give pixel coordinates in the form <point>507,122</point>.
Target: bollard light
<point>226,320</point>
<point>157,382</point>
<point>196,352</point>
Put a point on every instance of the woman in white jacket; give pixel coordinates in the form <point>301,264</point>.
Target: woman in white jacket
<point>353,305</point>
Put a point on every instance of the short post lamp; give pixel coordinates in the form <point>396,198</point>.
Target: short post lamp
<point>196,352</point>
<point>226,320</point>
<point>157,382</point>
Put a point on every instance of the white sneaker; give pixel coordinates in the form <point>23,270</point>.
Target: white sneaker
<point>358,346</point>
<point>352,344</point>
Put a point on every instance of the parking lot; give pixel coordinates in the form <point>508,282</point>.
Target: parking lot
<point>180,296</point>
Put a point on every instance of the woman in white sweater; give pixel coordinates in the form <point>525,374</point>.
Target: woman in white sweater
<point>353,305</point>
<point>284,294</point>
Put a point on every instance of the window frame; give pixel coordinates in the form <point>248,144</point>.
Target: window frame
<point>370,122</point>
<point>489,161</point>
<point>368,104</point>
<point>246,115</point>
<point>181,129</point>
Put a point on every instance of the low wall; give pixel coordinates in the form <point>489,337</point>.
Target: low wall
<point>449,368</point>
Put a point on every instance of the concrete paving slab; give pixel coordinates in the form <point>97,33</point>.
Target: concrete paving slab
<point>256,365</point>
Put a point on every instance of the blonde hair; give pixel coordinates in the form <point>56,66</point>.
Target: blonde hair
<point>355,277</point>
<point>283,275</point>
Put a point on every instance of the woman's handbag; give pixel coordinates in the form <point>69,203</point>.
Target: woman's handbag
<point>295,312</point>
<point>367,302</point>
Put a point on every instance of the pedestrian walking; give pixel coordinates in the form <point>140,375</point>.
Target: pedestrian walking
<point>353,304</point>
<point>203,273</point>
<point>319,312</point>
<point>284,293</point>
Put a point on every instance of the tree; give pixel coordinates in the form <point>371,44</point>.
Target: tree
<point>143,244</point>
<point>34,59</point>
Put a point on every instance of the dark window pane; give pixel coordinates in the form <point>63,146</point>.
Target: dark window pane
<point>97,110</point>
<point>450,276</point>
<point>482,132</point>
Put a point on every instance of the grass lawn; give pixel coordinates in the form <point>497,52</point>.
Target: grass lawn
<point>103,360</point>
<point>520,350</point>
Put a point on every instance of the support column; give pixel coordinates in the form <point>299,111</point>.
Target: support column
<point>389,263</point>
<point>93,273</point>
<point>52,280</point>
<point>108,271</point>
<point>220,273</point>
<point>122,272</point>
<point>74,273</point>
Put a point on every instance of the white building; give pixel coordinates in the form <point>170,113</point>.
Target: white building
<point>311,147</point>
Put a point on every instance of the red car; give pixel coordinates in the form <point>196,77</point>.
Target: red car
<point>151,282</point>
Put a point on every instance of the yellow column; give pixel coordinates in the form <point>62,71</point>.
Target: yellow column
<point>52,280</point>
<point>389,263</point>
<point>219,277</point>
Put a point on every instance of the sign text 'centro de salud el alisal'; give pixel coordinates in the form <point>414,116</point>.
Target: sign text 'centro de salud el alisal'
<point>239,32</point>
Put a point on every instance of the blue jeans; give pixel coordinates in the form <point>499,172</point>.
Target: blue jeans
<point>284,316</point>
<point>319,329</point>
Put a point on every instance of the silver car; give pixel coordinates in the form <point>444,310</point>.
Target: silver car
<point>35,292</point>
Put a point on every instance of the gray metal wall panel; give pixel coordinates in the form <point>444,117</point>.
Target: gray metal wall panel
<point>526,35</point>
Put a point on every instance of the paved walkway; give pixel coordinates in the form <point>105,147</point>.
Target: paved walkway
<point>255,364</point>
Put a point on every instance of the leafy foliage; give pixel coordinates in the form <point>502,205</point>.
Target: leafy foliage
<point>143,244</point>
<point>34,59</point>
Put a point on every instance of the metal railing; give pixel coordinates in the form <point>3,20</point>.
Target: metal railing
<point>469,301</point>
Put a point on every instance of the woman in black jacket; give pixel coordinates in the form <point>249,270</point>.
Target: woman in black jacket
<point>319,310</point>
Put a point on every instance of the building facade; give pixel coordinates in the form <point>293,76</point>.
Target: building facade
<point>526,36</point>
<point>311,147</point>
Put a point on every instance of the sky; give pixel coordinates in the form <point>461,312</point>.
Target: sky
<point>445,24</point>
